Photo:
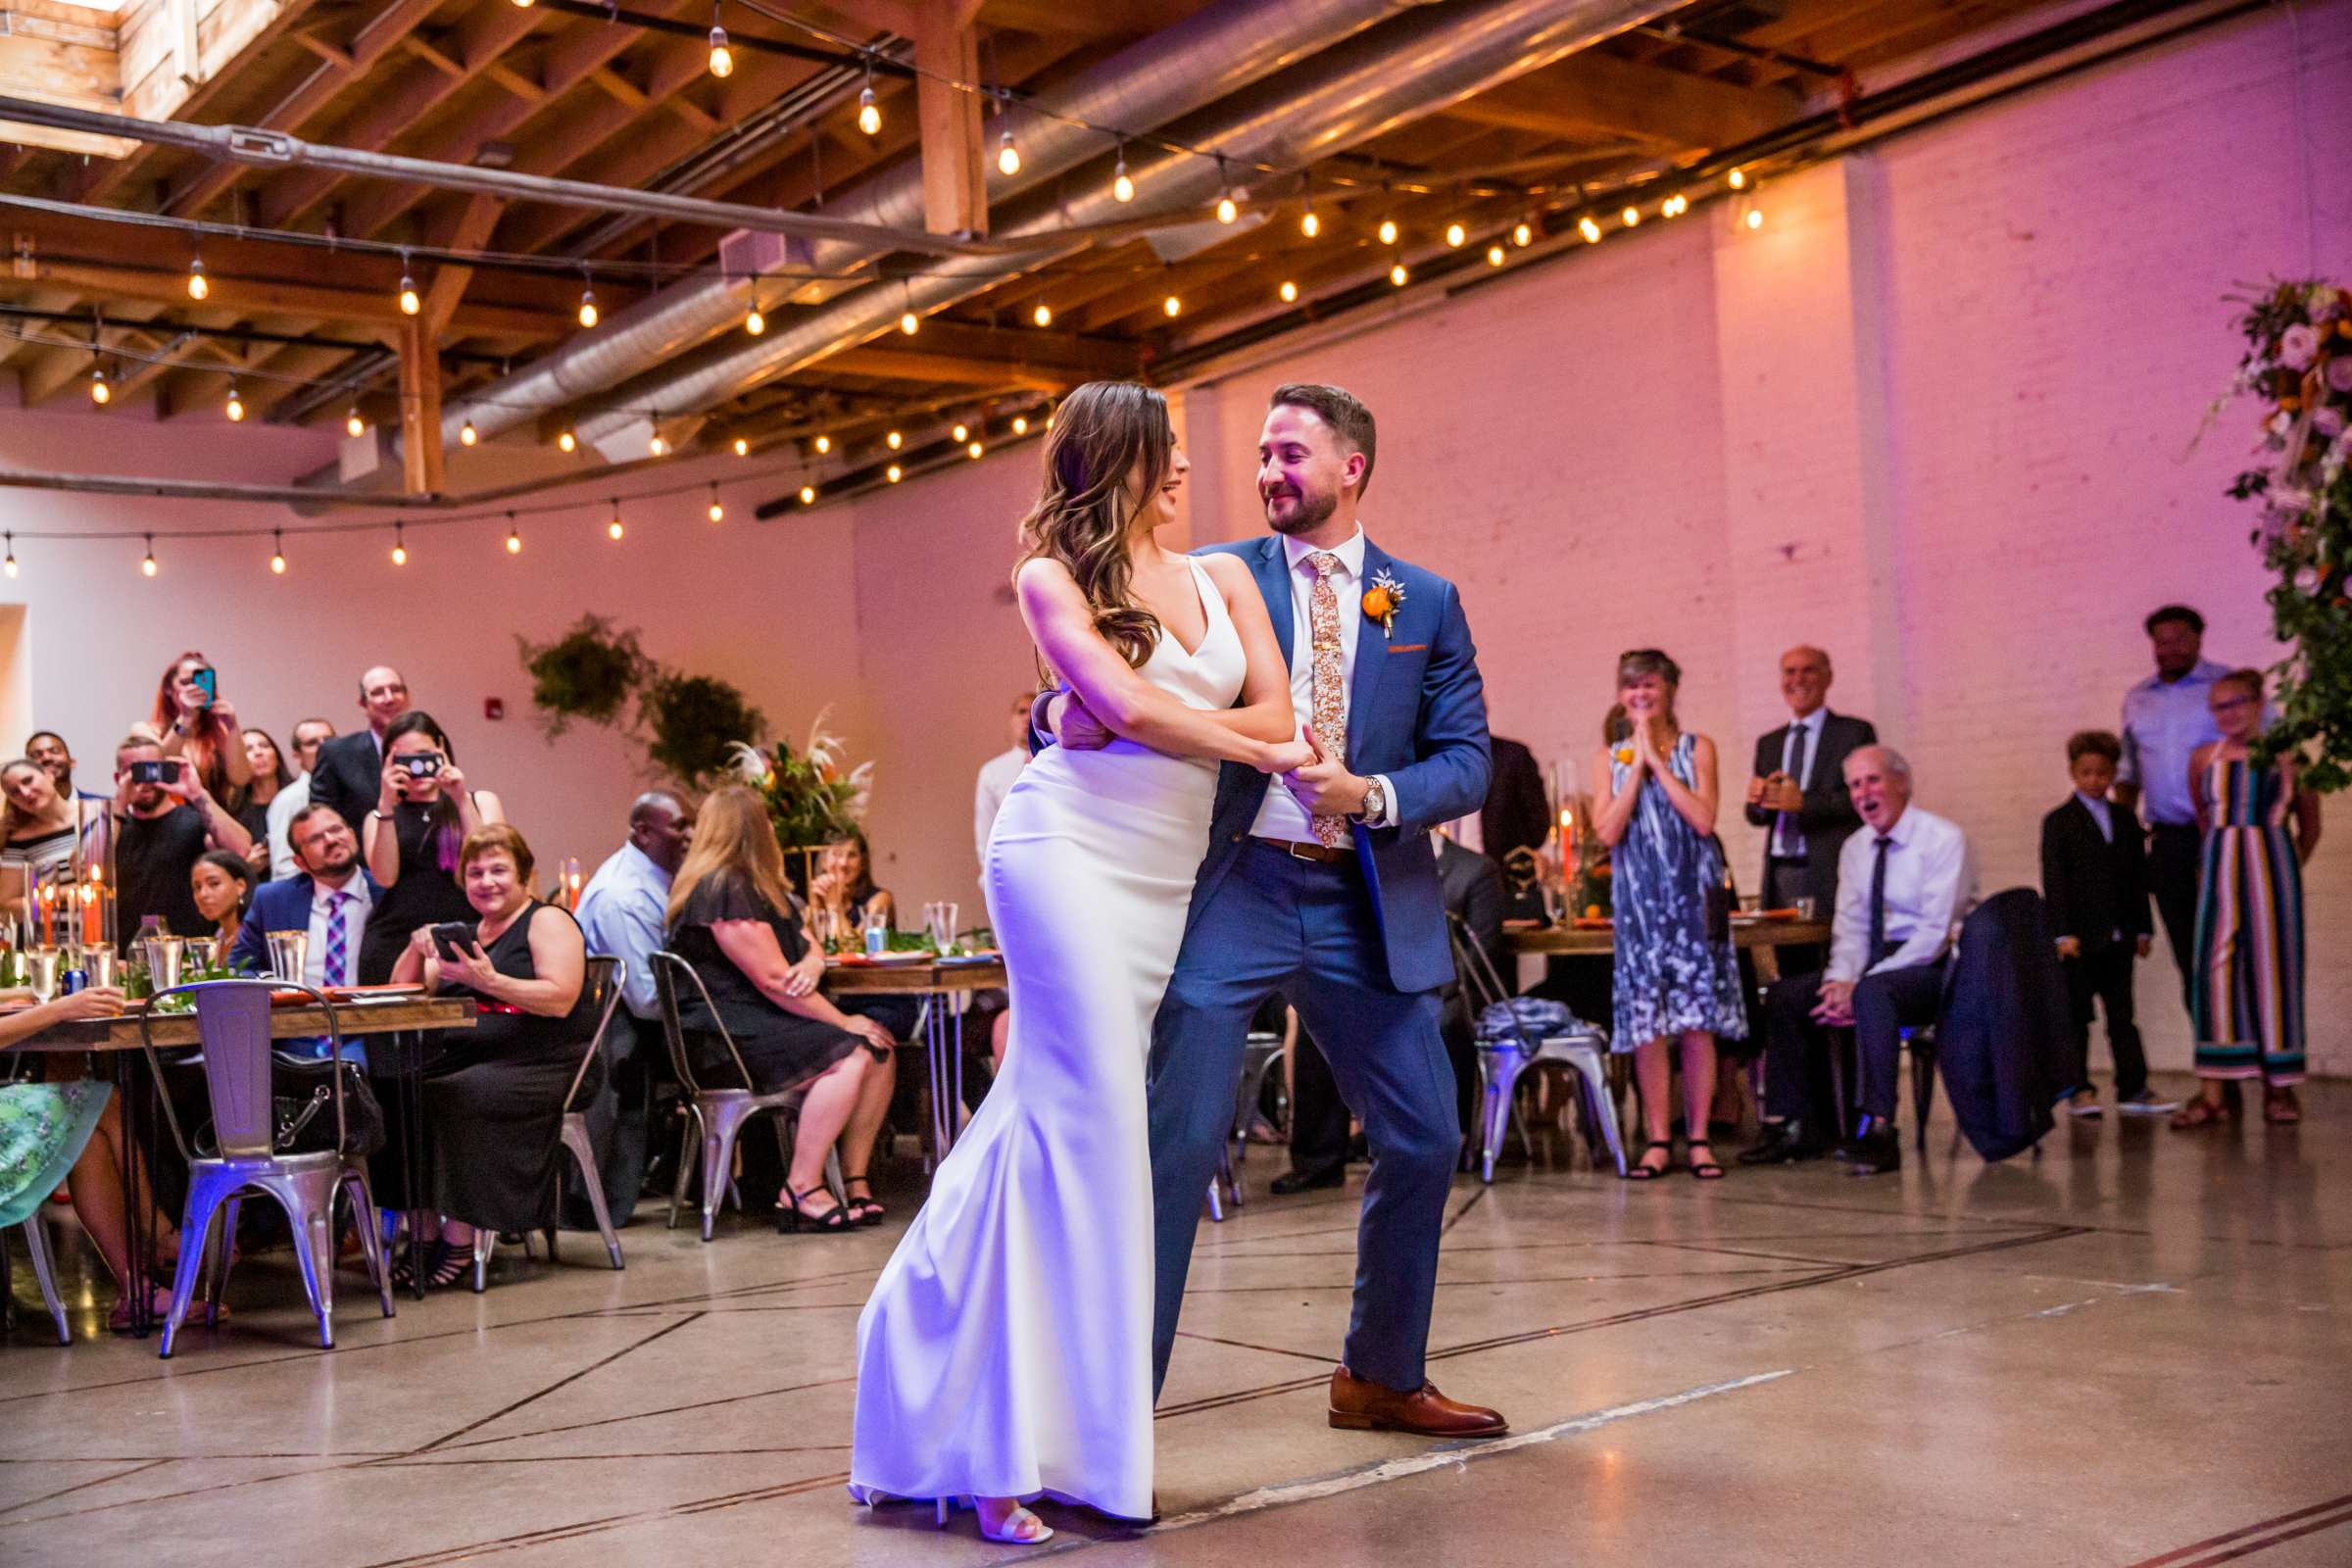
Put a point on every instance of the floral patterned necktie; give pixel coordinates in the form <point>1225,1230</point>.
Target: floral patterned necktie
<point>1330,689</point>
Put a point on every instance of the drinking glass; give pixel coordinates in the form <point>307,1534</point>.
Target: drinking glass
<point>289,952</point>
<point>165,956</point>
<point>41,971</point>
<point>822,928</point>
<point>939,919</point>
<point>99,966</point>
<point>1805,908</point>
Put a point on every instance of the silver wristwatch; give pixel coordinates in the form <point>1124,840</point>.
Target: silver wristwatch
<point>1376,802</point>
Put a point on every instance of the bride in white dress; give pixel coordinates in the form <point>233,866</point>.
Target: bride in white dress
<point>1005,1354</point>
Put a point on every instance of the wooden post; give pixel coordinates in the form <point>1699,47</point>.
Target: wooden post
<point>420,409</point>
<point>946,49</point>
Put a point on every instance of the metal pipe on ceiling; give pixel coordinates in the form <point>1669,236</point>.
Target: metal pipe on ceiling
<point>1415,66</point>
<point>1216,51</point>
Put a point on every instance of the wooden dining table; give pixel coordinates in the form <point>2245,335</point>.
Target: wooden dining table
<point>938,981</point>
<point>1586,938</point>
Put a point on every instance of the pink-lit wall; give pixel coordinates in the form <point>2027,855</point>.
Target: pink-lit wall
<point>1935,413</point>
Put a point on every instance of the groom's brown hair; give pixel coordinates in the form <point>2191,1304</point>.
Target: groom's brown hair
<point>1338,408</point>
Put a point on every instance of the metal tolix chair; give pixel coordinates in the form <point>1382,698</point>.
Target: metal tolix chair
<point>1502,1058</point>
<point>44,1273</point>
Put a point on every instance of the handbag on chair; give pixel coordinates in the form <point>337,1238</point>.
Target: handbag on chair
<point>302,1109</point>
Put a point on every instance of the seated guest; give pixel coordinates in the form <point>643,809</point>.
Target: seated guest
<point>49,748</point>
<point>845,889</point>
<point>2094,885</point>
<point>1903,883</point>
<point>626,911</point>
<point>423,811</point>
<point>195,724</point>
<point>330,899</point>
<point>159,829</point>
<point>348,770</point>
<point>37,828</point>
<point>494,1098</point>
<point>730,916</point>
<point>308,736</point>
<point>218,882</point>
<point>272,777</point>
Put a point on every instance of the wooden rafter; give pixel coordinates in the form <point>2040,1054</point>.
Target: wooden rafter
<point>1594,98</point>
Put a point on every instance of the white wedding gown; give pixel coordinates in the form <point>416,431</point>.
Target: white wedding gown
<point>1006,1349</point>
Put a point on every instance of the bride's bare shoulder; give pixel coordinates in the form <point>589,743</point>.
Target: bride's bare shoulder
<point>1228,571</point>
<point>1043,575</point>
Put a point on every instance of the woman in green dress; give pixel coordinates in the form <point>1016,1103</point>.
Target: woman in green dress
<point>67,1132</point>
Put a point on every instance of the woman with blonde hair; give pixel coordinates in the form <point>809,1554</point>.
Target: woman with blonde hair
<point>731,916</point>
<point>1005,1354</point>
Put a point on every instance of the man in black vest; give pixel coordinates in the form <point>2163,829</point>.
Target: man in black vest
<point>1799,795</point>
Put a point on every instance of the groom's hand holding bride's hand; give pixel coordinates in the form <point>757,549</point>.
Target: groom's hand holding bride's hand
<point>1075,726</point>
<point>1322,784</point>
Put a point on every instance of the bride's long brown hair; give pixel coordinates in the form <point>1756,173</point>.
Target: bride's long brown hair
<point>1102,433</point>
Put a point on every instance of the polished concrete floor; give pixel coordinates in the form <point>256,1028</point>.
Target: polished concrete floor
<point>2132,1349</point>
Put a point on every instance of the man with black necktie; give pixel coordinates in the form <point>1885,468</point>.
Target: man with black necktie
<point>1902,889</point>
<point>1798,792</point>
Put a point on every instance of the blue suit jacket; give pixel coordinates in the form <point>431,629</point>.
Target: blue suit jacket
<point>284,905</point>
<point>1417,713</point>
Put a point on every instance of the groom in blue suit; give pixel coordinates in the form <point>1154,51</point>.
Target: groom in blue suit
<point>1320,885</point>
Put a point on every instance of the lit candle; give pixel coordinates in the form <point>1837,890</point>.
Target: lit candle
<point>93,915</point>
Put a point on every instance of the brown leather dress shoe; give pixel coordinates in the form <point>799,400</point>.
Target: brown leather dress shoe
<point>1363,1405</point>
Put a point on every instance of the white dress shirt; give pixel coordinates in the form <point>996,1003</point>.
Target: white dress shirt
<point>1282,816</point>
<point>355,922</point>
<point>988,795</point>
<point>280,812</point>
<point>1931,885</point>
<point>624,913</point>
<point>1788,839</point>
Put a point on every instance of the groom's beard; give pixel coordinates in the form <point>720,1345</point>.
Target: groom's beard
<point>1307,514</point>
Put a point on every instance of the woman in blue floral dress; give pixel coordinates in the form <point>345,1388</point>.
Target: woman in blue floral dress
<point>53,1133</point>
<point>1654,798</point>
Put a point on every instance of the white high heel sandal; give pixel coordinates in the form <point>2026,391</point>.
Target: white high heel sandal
<point>1013,1522</point>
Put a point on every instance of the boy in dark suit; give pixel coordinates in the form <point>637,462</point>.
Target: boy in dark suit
<point>2094,879</point>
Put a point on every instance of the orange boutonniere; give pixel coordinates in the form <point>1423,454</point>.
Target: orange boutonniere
<point>1382,599</point>
<point>1625,754</point>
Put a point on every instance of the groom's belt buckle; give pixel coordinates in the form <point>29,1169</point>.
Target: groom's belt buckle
<point>1323,854</point>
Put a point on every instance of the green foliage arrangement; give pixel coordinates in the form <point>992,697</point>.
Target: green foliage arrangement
<point>599,673</point>
<point>690,719</point>
<point>590,673</point>
<point>812,797</point>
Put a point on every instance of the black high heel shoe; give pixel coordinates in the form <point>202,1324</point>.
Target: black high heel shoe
<point>791,1221</point>
<point>1639,1172</point>
<point>864,1211</point>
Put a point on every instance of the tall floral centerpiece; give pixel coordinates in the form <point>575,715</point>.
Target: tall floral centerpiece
<point>812,796</point>
<point>2298,361</point>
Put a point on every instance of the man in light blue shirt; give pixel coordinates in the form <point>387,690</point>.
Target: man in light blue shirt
<point>624,910</point>
<point>2165,720</point>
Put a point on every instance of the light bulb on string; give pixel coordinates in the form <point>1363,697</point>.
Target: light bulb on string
<point>235,407</point>
<point>10,565</point>
<point>1522,235</point>
<point>469,435</point>
<point>869,117</point>
<point>961,432</point>
<point>1122,187</point>
<point>824,444</point>
<point>894,473</point>
<point>1674,206</point>
<point>100,393</point>
<point>353,424</point>
<point>1755,217</point>
<point>277,552</point>
<point>807,495</point>
<point>1456,235</point>
<point>658,446</point>
<point>1737,179</point>
<point>973,449</point>
<point>716,513</point>
<point>1228,210</point>
<point>1289,292</point>
<point>1494,256</point>
<point>523,5</point>
<point>722,58</point>
<point>1020,424</point>
<point>400,546</point>
<point>1398,276</point>
<point>614,529</point>
<point>909,322</point>
<point>894,440</point>
<point>198,284</point>
<point>1043,316</point>
<point>1308,224</point>
<point>743,447</point>
<point>566,441</point>
<point>410,302</point>
<point>589,314</point>
<point>1172,306</point>
<point>1388,231</point>
<point>1586,226</point>
<point>514,536</point>
<point>1631,217</point>
<point>147,566</point>
<point>1008,156</point>
<point>754,322</point>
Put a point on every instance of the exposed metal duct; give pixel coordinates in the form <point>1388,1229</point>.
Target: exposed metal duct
<point>1412,68</point>
<point>1216,51</point>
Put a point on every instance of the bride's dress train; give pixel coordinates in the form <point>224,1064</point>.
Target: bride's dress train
<point>1006,1349</point>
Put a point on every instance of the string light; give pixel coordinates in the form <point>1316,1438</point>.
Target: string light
<point>1522,235</point>
<point>236,409</point>
<point>894,440</point>
<point>753,321</point>
<point>410,302</point>
<point>10,565</point>
<point>722,58</point>
<point>743,447</point>
<point>1674,206</point>
<point>1289,292</point>
<point>514,536</point>
<point>568,442</point>
<point>1043,316</point>
<point>1755,217</point>
<point>146,565</point>
<point>1020,424</point>
<point>1456,235</point>
<point>522,5</point>
<point>973,449</point>
<point>100,392</point>
<point>824,444</point>
<point>1398,276</point>
<point>1494,255</point>
<point>894,473</point>
<point>1228,210</point>
<point>400,546</point>
<point>589,315</point>
<point>353,424</point>
<point>869,117</point>
<point>614,529</point>
<point>1172,304</point>
<point>1737,179</point>
<point>807,495</point>
<point>963,432</point>
<point>909,322</point>
<point>277,552</point>
<point>1631,217</point>
<point>198,284</point>
<point>658,446</point>
<point>718,514</point>
<point>469,435</point>
<point>1122,188</point>
<point>1008,157</point>
<point>1388,231</point>
<point>1308,224</point>
<point>1586,227</point>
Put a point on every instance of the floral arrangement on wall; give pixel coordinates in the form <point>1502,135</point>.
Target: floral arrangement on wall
<point>2298,361</point>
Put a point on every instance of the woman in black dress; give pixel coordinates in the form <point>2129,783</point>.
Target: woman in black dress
<point>422,813</point>
<point>494,1099</point>
<point>730,916</point>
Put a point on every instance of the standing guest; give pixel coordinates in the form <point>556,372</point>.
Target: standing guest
<point>308,736</point>
<point>160,830</point>
<point>2166,720</point>
<point>423,813</point>
<point>1517,813</point>
<point>998,771</point>
<point>1655,796</point>
<point>36,830</point>
<point>49,748</point>
<point>331,899</point>
<point>2094,884</point>
<point>494,1101</point>
<point>1903,887</point>
<point>218,882</point>
<point>730,917</point>
<point>272,777</point>
<point>1798,792</point>
<point>198,725</point>
<point>626,911</point>
<point>2247,1000</point>
<point>348,770</point>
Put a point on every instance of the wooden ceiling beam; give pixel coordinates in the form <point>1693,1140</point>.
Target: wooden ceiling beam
<point>947,51</point>
<point>1591,97</point>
